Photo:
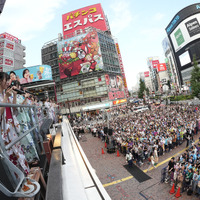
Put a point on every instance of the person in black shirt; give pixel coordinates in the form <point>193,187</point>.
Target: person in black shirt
<point>170,168</point>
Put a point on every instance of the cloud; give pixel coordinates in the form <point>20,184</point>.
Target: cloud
<point>121,15</point>
<point>26,18</point>
<point>158,16</point>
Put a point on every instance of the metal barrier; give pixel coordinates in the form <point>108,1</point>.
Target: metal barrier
<point>14,175</point>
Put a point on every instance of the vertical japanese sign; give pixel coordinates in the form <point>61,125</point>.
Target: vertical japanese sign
<point>122,70</point>
<point>146,74</point>
<point>155,63</point>
<point>84,17</point>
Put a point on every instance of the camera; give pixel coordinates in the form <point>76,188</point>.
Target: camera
<point>16,83</point>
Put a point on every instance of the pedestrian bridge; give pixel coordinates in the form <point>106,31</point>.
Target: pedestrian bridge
<point>71,176</point>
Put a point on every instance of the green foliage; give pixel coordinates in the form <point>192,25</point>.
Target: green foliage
<point>141,89</point>
<point>147,90</point>
<point>181,97</point>
<point>195,79</point>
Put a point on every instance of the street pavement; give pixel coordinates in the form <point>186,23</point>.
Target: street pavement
<point>109,168</point>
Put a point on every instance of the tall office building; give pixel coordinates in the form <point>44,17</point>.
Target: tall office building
<point>11,53</point>
<point>86,62</point>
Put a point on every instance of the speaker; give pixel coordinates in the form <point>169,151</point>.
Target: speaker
<point>105,130</point>
<point>110,131</point>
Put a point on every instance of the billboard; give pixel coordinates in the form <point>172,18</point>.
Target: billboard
<point>90,16</point>
<point>146,74</point>
<point>122,70</point>
<point>9,37</point>
<point>119,101</point>
<point>161,67</point>
<point>187,31</point>
<point>32,74</point>
<point>155,63</point>
<point>6,61</point>
<point>115,86</point>
<point>79,54</point>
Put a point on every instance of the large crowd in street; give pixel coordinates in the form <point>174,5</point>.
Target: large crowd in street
<point>145,136</point>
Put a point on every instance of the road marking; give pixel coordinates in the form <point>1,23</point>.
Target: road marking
<point>159,164</point>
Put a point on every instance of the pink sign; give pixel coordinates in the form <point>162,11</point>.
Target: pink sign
<point>146,74</point>
<point>9,37</point>
<point>90,16</point>
<point>155,63</point>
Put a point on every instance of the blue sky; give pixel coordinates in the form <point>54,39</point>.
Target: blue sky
<point>139,26</point>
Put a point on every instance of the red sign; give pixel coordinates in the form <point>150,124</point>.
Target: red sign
<point>119,101</point>
<point>8,62</point>
<point>161,67</point>
<point>90,16</point>
<point>1,61</point>
<point>146,74</point>
<point>9,45</point>
<point>9,37</point>
<point>122,70</point>
<point>1,52</point>
<point>155,63</point>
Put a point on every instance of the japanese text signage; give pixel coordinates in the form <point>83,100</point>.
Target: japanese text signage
<point>85,17</point>
<point>146,74</point>
<point>155,63</point>
<point>9,37</point>
<point>119,101</point>
<point>161,67</point>
<point>122,70</point>
<point>6,61</point>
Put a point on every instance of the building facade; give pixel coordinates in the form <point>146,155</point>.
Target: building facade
<point>184,36</point>
<point>11,53</point>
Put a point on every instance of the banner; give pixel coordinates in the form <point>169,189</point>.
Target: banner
<point>146,74</point>
<point>119,101</point>
<point>79,54</point>
<point>115,87</point>
<point>31,74</point>
<point>155,63</point>
<point>122,70</point>
<point>9,37</point>
<point>90,16</point>
<point>161,67</point>
<point>6,61</point>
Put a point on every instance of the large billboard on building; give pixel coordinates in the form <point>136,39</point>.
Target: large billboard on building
<point>32,74</point>
<point>187,31</point>
<point>79,54</point>
<point>115,87</point>
<point>122,70</point>
<point>90,16</point>
<point>9,37</point>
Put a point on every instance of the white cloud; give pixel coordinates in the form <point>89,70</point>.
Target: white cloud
<point>121,15</point>
<point>158,16</point>
<point>26,18</point>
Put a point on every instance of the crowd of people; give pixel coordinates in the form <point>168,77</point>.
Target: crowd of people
<point>145,136</point>
<point>15,121</point>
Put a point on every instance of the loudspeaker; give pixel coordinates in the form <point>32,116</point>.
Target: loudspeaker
<point>110,131</point>
<point>105,130</point>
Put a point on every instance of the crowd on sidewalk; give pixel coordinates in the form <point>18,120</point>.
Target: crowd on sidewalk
<point>15,121</point>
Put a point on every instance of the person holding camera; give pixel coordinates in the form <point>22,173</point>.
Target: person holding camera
<point>9,124</point>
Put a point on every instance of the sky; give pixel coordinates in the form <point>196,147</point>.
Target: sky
<point>139,27</point>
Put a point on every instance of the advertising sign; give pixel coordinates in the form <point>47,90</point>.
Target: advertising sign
<point>122,70</point>
<point>9,45</point>
<point>9,37</point>
<point>155,63</point>
<point>1,44</point>
<point>90,16</point>
<point>31,74</point>
<point>79,54</point>
<point>119,101</point>
<point>6,61</point>
<point>187,31</point>
<point>146,74</point>
<point>161,67</point>
<point>1,52</point>
<point>115,87</point>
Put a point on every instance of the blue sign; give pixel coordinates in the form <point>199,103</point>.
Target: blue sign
<point>31,74</point>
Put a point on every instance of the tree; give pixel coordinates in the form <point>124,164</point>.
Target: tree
<point>195,78</point>
<point>141,89</point>
<point>147,90</point>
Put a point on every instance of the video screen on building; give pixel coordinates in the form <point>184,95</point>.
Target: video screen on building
<point>115,86</point>
<point>31,74</point>
<point>185,58</point>
<point>79,55</point>
<point>187,31</point>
